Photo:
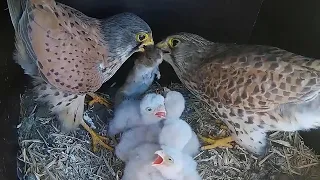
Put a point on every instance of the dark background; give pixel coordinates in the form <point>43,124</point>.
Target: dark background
<point>289,24</point>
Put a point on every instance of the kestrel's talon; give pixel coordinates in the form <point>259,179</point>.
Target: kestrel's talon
<point>96,139</point>
<point>100,100</point>
<point>214,143</point>
<point>223,127</point>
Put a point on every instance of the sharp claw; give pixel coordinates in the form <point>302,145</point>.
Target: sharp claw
<point>96,139</point>
<point>103,138</point>
<point>214,143</point>
<point>213,146</point>
<point>100,100</point>
<point>207,140</point>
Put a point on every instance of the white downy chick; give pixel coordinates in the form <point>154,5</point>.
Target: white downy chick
<point>139,165</point>
<point>193,146</point>
<point>136,136</point>
<point>175,165</point>
<point>177,133</point>
<point>133,113</point>
<point>149,134</point>
<point>145,69</point>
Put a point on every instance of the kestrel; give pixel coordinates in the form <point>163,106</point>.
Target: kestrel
<point>70,54</point>
<point>252,88</point>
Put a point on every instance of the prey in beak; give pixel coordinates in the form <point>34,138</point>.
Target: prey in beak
<point>159,158</point>
<point>148,42</point>
<point>161,112</point>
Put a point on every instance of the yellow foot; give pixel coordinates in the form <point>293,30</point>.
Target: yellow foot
<point>100,100</point>
<point>96,139</point>
<point>214,143</point>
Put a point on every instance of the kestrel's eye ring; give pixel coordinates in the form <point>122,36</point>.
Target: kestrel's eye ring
<point>142,37</point>
<point>173,42</point>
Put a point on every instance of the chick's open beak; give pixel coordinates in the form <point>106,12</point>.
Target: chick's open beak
<point>159,159</point>
<point>161,112</point>
<point>148,42</point>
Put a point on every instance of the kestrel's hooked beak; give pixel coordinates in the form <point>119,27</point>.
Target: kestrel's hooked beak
<point>161,112</point>
<point>163,46</point>
<point>148,42</point>
<point>159,159</point>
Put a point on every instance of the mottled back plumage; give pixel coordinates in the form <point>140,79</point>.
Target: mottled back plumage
<point>248,86</point>
<point>70,54</point>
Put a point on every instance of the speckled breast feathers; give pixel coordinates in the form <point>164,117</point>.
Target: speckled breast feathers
<point>67,44</point>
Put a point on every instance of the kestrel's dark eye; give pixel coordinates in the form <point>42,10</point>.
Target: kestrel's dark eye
<point>142,37</point>
<point>174,42</point>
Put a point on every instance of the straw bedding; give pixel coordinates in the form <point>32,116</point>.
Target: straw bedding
<point>48,153</point>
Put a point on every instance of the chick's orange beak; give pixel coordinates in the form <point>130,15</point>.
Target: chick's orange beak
<point>161,112</point>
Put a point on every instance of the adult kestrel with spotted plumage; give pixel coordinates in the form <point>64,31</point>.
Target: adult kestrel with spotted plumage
<point>70,54</point>
<point>252,88</point>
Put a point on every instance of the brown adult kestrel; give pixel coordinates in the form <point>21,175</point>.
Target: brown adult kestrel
<point>71,55</point>
<point>253,89</point>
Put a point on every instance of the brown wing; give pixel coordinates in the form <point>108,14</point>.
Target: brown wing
<point>259,78</point>
<point>68,46</point>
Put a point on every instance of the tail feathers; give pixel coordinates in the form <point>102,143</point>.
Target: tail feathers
<point>68,107</point>
<point>254,140</point>
<point>249,136</point>
<point>22,58</point>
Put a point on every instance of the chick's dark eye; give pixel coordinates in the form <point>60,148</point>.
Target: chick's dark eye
<point>148,109</point>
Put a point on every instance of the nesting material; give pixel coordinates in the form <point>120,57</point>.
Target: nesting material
<point>47,153</point>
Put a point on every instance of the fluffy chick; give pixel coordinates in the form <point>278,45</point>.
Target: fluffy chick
<point>175,165</point>
<point>135,137</point>
<point>139,166</point>
<point>149,134</point>
<point>177,133</point>
<point>146,161</point>
<point>146,68</point>
<point>132,113</point>
<point>193,145</point>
